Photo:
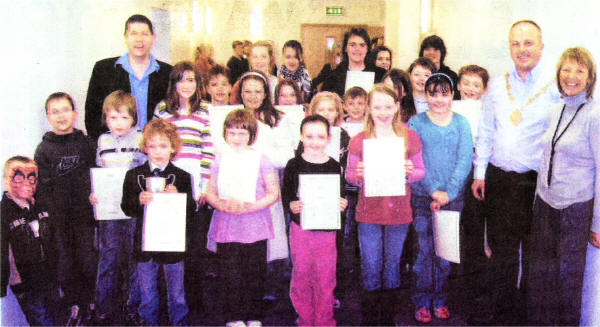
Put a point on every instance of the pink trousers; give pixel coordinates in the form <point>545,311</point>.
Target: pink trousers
<point>314,258</point>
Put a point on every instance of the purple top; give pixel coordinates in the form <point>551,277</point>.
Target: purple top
<point>246,228</point>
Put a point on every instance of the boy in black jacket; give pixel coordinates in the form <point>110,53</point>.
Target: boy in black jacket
<point>29,254</point>
<point>161,143</point>
<point>64,158</point>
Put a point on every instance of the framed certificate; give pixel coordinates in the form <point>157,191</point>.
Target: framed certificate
<point>107,186</point>
<point>164,223</point>
<point>384,170</point>
<point>320,195</point>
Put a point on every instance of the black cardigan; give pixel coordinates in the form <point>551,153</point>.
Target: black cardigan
<point>336,80</point>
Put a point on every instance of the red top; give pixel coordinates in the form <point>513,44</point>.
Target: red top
<point>385,210</point>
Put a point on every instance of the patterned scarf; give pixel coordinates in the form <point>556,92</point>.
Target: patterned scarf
<point>300,76</point>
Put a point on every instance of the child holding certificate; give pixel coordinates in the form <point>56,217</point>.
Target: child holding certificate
<point>447,153</point>
<point>242,187</point>
<point>314,253</point>
<point>118,148</point>
<point>161,143</point>
<point>383,221</point>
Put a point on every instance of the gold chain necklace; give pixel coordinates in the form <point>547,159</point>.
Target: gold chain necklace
<point>517,115</point>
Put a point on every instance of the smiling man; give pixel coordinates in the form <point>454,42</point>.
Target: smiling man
<point>135,72</point>
<point>508,154</point>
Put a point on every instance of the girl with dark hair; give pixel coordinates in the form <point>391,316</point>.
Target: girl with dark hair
<point>382,57</point>
<point>399,81</point>
<point>355,51</point>
<point>293,67</point>
<point>184,108</point>
<point>287,93</point>
<point>447,153</point>
<point>434,49</point>
<point>419,71</point>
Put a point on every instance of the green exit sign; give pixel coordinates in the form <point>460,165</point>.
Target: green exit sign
<point>335,11</point>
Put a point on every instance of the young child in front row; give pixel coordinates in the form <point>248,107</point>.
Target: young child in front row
<point>161,143</point>
<point>29,244</point>
<point>117,148</point>
<point>383,221</point>
<point>314,253</point>
<point>447,153</point>
<point>64,158</point>
<point>242,187</point>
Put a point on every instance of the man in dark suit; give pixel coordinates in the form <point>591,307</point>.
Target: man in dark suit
<point>136,72</point>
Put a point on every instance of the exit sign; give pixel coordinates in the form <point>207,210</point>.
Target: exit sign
<point>335,11</point>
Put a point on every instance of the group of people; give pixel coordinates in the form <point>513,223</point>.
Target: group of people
<point>518,158</point>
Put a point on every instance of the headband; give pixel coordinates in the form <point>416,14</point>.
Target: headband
<point>443,75</point>
<point>254,74</point>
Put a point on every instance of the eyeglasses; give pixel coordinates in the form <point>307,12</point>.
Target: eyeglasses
<point>19,178</point>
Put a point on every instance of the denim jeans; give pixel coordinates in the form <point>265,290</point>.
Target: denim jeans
<point>432,271</point>
<point>380,251</point>
<point>148,282</point>
<point>39,306</point>
<point>116,260</point>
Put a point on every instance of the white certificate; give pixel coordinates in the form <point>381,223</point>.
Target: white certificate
<point>217,116</point>
<point>384,171</point>
<point>295,114</point>
<point>446,235</point>
<point>472,110</point>
<point>366,80</point>
<point>333,148</point>
<point>164,223</point>
<point>320,196</point>
<point>107,185</point>
<point>238,174</point>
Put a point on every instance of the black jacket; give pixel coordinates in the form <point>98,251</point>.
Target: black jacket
<point>237,67</point>
<point>131,206</point>
<point>336,79</point>
<point>35,257</point>
<point>64,163</point>
<point>108,77</point>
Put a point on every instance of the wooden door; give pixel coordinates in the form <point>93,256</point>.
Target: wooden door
<point>322,43</point>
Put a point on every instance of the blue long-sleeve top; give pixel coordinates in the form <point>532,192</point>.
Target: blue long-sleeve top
<point>447,154</point>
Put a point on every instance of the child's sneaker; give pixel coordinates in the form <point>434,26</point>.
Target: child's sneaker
<point>74,317</point>
<point>237,323</point>
<point>423,315</point>
<point>441,312</point>
<point>254,323</point>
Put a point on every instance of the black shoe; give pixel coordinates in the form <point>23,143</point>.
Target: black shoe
<point>133,319</point>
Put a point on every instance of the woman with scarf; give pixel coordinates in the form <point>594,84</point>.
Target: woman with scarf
<point>293,67</point>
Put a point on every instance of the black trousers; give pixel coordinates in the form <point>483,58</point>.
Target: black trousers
<point>558,247</point>
<point>508,207</point>
<point>78,263</point>
<point>242,271</point>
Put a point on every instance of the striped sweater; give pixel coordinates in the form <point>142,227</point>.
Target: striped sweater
<point>120,152</point>
<point>196,154</point>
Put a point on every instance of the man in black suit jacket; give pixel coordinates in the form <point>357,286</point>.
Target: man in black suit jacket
<point>135,72</point>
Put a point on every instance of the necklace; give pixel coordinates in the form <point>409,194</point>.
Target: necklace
<point>517,115</point>
<point>555,138</point>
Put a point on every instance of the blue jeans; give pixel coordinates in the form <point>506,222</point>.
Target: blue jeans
<point>148,282</point>
<point>116,254</point>
<point>39,305</point>
<point>380,251</point>
<point>432,271</point>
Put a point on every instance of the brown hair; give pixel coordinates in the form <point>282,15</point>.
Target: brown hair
<point>288,82</point>
<point>397,125</point>
<point>59,95</point>
<point>583,57</point>
<point>175,77</point>
<point>161,127</point>
<point>266,113</point>
<point>243,119</point>
<point>475,70</point>
<point>118,99</point>
<point>325,95</point>
<point>355,92</point>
